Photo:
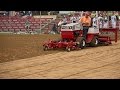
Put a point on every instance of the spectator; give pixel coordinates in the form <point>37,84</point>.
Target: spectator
<point>113,20</point>
<point>94,21</point>
<point>27,25</point>
<point>21,13</point>
<point>30,13</point>
<point>74,19</point>
<point>48,13</point>
<point>24,12</point>
<point>4,14</point>
<point>71,18</point>
<point>100,21</point>
<point>17,14</point>
<point>105,22</point>
<point>78,18</point>
<point>54,29</point>
<point>60,23</point>
<point>64,21</point>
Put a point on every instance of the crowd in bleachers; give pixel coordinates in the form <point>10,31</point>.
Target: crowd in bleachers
<point>4,13</point>
<point>105,21</point>
<point>25,13</point>
<point>16,13</point>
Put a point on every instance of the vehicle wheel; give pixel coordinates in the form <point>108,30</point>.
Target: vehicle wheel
<point>45,48</point>
<point>106,43</point>
<point>94,42</point>
<point>68,49</point>
<point>81,42</point>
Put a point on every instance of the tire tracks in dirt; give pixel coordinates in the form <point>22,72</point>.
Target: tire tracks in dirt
<point>64,64</point>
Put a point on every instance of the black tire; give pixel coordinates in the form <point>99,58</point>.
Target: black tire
<point>68,49</point>
<point>107,44</point>
<point>94,42</point>
<point>81,42</point>
<point>45,48</point>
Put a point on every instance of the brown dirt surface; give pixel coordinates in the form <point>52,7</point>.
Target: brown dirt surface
<point>98,62</point>
<point>14,47</point>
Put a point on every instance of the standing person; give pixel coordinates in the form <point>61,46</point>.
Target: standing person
<point>64,20</point>
<point>29,13</point>
<point>94,21</point>
<point>27,25</point>
<point>100,20</point>
<point>113,20</point>
<point>77,18</point>
<point>106,21</point>
<point>54,28</point>
<point>74,19</point>
<point>71,18</point>
<point>86,23</point>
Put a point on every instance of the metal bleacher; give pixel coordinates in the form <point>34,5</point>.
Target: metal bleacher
<point>15,24</point>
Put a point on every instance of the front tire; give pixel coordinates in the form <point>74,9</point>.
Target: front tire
<point>45,48</point>
<point>94,42</point>
<point>81,42</point>
<point>68,49</point>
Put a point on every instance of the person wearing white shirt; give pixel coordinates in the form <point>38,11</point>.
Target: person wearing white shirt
<point>78,18</point>
<point>74,19</point>
<point>71,18</point>
<point>105,23</point>
<point>113,21</point>
<point>94,24</point>
<point>100,21</point>
<point>65,21</point>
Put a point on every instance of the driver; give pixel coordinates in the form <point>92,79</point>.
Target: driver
<point>86,22</point>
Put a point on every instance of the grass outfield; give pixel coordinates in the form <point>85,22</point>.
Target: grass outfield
<point>14,47</point>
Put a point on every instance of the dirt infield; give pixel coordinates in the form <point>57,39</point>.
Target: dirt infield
<point>14,47</point>
<point>98,62</point>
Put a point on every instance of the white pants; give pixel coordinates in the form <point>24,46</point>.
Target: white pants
<point>114,25</point>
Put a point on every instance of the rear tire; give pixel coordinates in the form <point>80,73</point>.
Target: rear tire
<point>45,48</point>
<point>68,49</point>
<point>81,42</point>
<point>94,42</point>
